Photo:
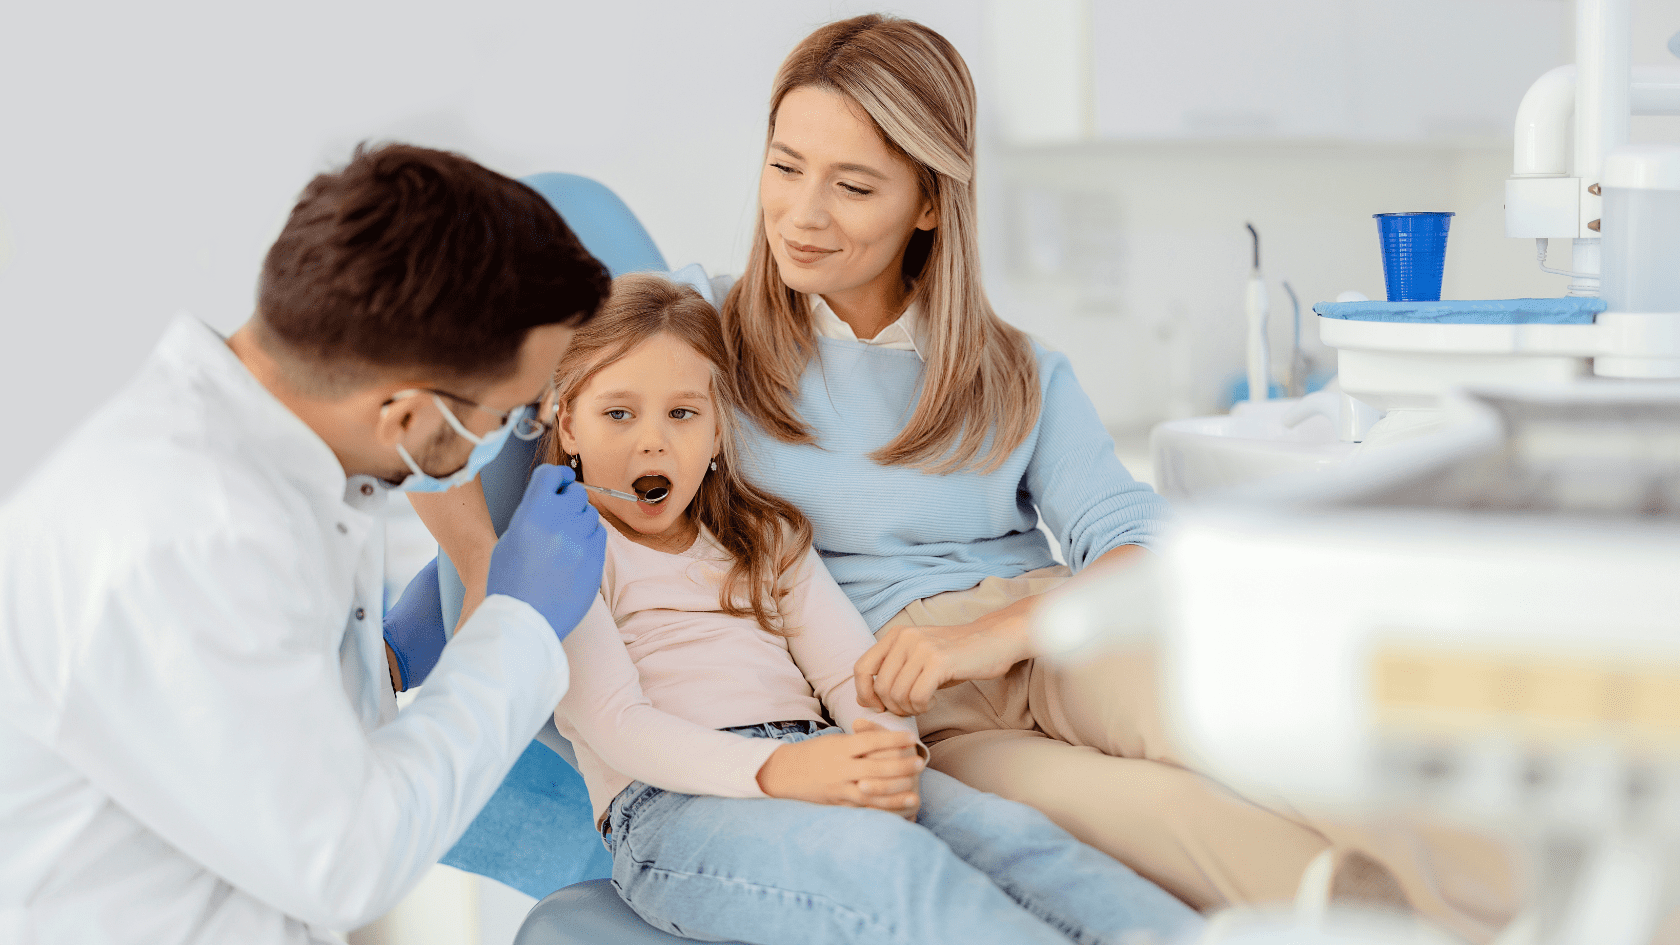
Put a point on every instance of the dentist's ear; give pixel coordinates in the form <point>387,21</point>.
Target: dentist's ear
<point>396,416</point>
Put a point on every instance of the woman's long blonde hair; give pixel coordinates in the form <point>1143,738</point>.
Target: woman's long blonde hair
<point>768,537</point>
<point>981,376</point>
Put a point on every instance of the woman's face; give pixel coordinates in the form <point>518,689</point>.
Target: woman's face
<point>839,206</point>
<point>650,413</point>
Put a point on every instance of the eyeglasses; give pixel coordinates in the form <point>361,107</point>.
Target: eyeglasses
<point>528,419</point>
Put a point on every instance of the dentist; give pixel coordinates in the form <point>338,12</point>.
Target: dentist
<point>198,737</point>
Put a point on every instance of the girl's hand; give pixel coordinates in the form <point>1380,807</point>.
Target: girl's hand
<point>907,664</point>
<point>889,788</point>
<point>834,768</point>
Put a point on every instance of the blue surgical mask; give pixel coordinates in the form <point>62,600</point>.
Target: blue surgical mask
<point>485,449</point>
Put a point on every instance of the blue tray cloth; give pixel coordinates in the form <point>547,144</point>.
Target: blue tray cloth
<point>1562,311</point>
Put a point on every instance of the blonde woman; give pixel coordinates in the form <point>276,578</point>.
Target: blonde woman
<point>924,437</point>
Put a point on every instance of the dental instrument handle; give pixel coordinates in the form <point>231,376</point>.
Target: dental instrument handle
<point>612,492</point>
<point>1259,380</point>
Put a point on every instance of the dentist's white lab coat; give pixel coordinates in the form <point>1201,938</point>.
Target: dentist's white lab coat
<point>198,741</point>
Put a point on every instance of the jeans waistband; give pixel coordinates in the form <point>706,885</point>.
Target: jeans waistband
<point>778,729</point>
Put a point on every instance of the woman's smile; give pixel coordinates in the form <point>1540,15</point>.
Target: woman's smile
<point>806,255</point>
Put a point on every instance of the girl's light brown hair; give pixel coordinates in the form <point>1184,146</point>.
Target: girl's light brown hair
<point>767,536</point>
<point>981,376</point>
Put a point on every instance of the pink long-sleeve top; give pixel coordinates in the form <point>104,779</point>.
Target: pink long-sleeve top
<point>657,668</point>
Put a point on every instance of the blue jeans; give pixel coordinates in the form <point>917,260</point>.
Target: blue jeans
<point>974,868</point>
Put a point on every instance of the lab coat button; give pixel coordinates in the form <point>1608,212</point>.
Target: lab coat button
<point>367,489</point>
<point>360,613</point>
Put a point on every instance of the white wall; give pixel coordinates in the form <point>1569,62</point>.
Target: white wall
<point>150,152</point>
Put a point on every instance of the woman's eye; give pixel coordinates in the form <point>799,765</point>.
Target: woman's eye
<point>859,191</point>
<point>683,413</point>
<point>618,413</point>
<point>783,168</point>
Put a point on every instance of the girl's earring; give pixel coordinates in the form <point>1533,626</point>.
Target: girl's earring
<point>714,465</point>
<point>574,463</point>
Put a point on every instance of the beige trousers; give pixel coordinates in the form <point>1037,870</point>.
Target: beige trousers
<point>1086,746</point>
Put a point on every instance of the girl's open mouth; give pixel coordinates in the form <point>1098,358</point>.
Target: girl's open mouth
<point>652,489</point>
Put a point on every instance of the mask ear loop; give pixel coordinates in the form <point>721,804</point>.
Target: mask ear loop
<point>457,425</point>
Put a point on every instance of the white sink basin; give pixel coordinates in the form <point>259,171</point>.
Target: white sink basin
<point>1199,455</point>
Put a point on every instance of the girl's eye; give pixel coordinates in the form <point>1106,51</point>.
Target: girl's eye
<point>859,191</point>
<point>683,413</point>
<point>783,168</point>
<point>618,413</point>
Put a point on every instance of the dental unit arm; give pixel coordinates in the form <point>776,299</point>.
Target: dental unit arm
<point>1569,123</point>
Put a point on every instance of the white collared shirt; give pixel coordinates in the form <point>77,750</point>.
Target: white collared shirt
<point>906,333</point>
<point>198,741</point>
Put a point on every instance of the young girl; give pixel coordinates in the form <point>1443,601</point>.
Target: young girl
<point>711,685</point>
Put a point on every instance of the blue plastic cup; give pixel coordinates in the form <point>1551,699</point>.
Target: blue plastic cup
<point>1414,250</point>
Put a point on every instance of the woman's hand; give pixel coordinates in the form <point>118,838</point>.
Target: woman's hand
<point>907,664</point>
<point>836,769</point>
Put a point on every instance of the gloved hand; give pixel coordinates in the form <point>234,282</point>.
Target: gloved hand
<point>414,627</point>
<point>551,554</point>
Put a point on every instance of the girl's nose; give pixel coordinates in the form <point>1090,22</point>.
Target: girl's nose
<point>653,440</point>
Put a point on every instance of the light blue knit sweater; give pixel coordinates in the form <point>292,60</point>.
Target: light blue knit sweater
<point>891,534</point>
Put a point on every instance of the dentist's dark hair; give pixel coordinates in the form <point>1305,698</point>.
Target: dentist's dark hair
<point>415,259</point>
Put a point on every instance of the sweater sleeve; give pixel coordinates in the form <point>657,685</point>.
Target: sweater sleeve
<point>607,707</point>
<point>829,638</point>
<point>1089,500</point>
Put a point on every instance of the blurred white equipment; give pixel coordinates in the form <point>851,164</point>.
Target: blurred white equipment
<point>1198,455</point>
<point>1486,628</point>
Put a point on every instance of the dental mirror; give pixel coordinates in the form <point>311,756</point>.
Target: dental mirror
<point>650,489</point>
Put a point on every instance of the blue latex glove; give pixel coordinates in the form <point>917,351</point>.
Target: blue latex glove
<point>551,554</point>
<point>414,627</point>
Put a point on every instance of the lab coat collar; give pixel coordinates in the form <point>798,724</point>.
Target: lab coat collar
<point>200,356</point>
<point>906,333</point>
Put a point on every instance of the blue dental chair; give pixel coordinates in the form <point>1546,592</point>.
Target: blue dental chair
<point>537,833</point>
